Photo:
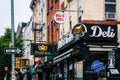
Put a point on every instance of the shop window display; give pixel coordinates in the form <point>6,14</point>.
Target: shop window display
<point>78,70</point>
<point>96,70</point>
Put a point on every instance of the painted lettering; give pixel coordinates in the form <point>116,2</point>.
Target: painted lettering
<point>98,32</point>
<point>65,40</point>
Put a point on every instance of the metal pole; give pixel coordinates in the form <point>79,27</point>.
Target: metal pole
<point>12,39</point>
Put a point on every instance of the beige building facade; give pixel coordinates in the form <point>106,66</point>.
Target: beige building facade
<point>77,11</point>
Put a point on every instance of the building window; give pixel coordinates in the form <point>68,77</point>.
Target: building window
<point>78,70</point>
<point>110,0</point>
<point>70,24</point>
<point>79,10</point>
<point>110,9</point>
<point>79,19</point>
<point>62,5</point>
<point>52,2</point>
<point>48,5</point>
<point>48,35</point>
<point>51,5</point>
<point>52,30</point>
<point>33,25</point>
<point>65,70</point>
<point>55,1</point>
<point>44,1</point>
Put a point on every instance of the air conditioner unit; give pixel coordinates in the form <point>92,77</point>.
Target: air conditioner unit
<point>110,15</point>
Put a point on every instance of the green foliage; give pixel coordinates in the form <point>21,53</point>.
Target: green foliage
<point>5,60</point>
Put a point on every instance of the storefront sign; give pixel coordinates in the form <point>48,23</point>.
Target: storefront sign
<point>59,17</point>
<point>95,31</point>
<point>41,49</point>
<point>98,32</point>
<point>63,56</point>
<point>111,59</point>
<point>65,40</point>
<point>97,65</point>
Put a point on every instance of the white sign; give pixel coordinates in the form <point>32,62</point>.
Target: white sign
<point>65,40</point>
<point>111,59</point>
<point>12,50</point>
<point>114,71</point>
<point>59,17</point>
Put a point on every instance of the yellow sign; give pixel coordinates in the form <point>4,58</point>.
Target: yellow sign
<point>77,30</point>
<point>21,62</point>
<point>42,47</point>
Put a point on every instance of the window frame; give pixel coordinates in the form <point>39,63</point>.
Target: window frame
<point>110,12</point>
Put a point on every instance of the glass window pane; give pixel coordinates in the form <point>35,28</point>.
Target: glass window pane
<point>110,8</point>
<point>79,3</point>
<point>110,0</point>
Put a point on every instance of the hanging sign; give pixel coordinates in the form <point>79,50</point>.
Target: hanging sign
<point>41,49</point>
<point>59,17</point>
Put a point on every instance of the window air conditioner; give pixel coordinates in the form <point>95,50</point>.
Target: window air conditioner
<point>110,15</point>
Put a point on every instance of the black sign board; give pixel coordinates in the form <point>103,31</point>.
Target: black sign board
<point>41,49</point>
<point>113,64</point>
<point>95,32</point>
<point>62,56</point>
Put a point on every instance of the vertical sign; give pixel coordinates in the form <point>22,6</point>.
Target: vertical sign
<point>113,64</point>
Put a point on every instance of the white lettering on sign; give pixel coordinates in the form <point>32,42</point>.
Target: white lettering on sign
<point>13,50</point>
<point>114,71</point>
<point>65,40</point>
<point>111,59</point>
<point>62,58</point>
<point>98,32</point>
<point>94,31</point>
<point>10,50</point>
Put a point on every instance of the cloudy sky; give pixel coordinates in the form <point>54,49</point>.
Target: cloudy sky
<point>22,13</point>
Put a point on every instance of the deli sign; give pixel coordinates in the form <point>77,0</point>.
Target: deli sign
<point>95,31</point>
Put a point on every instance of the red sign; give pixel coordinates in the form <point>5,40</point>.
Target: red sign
<point>59,17</point>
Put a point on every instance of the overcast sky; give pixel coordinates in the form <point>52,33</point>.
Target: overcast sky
<point>22,13</point>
